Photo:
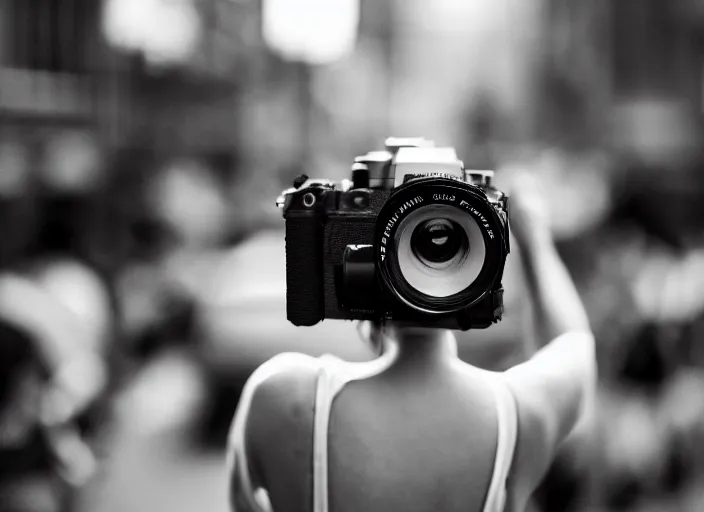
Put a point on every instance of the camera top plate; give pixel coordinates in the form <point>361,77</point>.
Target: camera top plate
<point>415,162</point>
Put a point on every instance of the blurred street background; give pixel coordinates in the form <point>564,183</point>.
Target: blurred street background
<point>142,146</point>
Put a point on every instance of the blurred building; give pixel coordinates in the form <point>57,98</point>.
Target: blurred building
<point>617,73</point>
<point>55,68</point>
<point>60,66</point>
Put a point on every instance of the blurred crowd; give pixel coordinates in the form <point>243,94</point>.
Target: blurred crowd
<point>142,145</point>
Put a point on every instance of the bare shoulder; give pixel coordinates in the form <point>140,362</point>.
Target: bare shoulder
<point>286,364</point>
<point>266,410</point>
<point>552,391</point>
<point>278,394</point>
<point>282,385</point>
<point>530,455</point>
<point>555,385</point>
<point>283,381</point>
<point>278,389</point>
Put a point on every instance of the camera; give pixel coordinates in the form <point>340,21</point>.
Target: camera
<point>412,236</point>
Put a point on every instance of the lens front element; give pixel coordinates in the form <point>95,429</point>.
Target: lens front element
<point>434,254</point>
<point>437,241</point>
<point>439,245</point>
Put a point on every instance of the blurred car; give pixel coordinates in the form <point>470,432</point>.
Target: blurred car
<point>243,316</point>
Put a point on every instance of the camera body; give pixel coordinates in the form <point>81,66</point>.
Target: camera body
<point>413,237</point>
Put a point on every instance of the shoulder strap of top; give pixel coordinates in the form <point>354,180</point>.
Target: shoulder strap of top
<point>254,498</point>
<point>330,382</point>
<point>334,374</point>
<point>506,443</point>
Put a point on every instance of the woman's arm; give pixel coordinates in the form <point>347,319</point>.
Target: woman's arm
<point>557,385</point>
<point>559,382</point>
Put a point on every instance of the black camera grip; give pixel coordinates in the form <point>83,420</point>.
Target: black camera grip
<point>305,304</point>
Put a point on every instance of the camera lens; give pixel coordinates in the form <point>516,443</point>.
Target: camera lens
<point>438,241</point>
<point>439,245</point>
<point>433,250</point>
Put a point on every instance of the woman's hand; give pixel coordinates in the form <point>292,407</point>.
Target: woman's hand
<point>529,211</point>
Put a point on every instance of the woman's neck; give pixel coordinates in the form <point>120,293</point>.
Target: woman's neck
<point>420,346</point>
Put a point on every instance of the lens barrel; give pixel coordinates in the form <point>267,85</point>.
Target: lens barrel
<point>439,237</point>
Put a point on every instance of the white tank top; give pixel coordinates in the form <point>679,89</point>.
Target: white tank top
<point>333,375</point>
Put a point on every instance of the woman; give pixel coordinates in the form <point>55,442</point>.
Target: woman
<point>417,429</point>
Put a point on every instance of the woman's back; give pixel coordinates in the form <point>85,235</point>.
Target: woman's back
<point>417,429</point>
<point>387,438</point>
<point>413,443</point>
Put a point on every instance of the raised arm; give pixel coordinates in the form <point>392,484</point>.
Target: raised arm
<point>555,388</point>
<point>557,307</point>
